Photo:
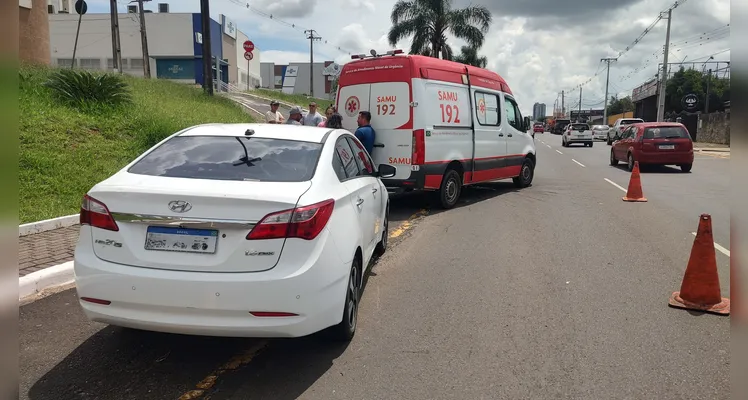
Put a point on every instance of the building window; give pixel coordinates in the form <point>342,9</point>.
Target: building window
<point>64,62</point>
<point>90,63</point>
<point>136,63</point>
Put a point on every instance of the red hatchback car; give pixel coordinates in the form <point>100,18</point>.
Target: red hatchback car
<point>654,143</point>
<point>537,128</point>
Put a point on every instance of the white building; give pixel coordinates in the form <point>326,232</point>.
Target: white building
<point>174,45</point>
<point>294,78</point>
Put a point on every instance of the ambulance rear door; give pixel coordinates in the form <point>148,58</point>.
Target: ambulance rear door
<point>389,105</point>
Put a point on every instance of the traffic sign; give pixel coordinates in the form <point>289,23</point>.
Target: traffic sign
<point>248,56</point>
<point>81,7</point>
<point>249,46</point>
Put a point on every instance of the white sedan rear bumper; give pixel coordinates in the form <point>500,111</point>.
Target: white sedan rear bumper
<point>216,304</point>
<point>577,138</point>
<point>600,135</point>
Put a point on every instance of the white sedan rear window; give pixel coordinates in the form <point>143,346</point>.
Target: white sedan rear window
<point>231,158</point>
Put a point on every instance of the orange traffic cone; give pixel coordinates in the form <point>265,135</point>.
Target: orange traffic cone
<point>635,186</point>
<point>700,288</point>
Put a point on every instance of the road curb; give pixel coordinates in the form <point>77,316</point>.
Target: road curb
<point>44,280</point>
<point>708,150</point>
<point>48,225</point>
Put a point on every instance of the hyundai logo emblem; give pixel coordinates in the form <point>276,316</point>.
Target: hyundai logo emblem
<point>180,206</point>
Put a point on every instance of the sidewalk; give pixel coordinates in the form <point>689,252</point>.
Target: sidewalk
<point>713,147</point>
<point>46,249</point>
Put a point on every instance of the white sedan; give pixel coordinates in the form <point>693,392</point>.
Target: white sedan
<point>248,230</point>
<point>577,133</point>
<point>600,132</point>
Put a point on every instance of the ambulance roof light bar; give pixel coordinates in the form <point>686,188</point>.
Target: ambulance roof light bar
<point>374,54</point>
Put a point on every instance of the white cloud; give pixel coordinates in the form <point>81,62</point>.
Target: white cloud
<point>286,8</point>
<point>284,57</point>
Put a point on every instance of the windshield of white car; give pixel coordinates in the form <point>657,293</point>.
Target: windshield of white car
<point>225,158</point>
<point>666,132</point>
<point>601,127</point>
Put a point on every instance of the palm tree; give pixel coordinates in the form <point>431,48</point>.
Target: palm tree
<point>469,55</point>
<point>428,21</point>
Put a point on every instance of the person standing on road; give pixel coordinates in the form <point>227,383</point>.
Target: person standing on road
<point>295,116</point>
<point>365,133</point>
<point>312,118</point>
<point>274,116</point>
<point>328,113</point>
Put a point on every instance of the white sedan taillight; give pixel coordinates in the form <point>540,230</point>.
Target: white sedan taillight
<point>301,222</point>
<point>96,214</point>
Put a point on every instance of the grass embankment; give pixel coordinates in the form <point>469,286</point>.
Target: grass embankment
<point>297,99</point>
<point>64,152</point>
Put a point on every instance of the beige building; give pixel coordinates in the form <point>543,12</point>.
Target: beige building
<point>33,32</point>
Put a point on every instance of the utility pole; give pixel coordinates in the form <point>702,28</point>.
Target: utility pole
<point>663,83</point>
<point>708,82</point>
<point>207,54</point>
<point>580,103</point>
<point>312,37</point>
<point>144,40</point>
<point>563,109</point>
<point>607,82</point>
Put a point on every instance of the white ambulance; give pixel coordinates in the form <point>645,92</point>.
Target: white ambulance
<point>442,124</point>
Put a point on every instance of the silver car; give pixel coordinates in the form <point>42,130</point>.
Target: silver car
<point>600,132</point>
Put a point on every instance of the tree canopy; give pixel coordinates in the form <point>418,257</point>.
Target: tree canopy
<point>687,81</point>
<point>429,21</point>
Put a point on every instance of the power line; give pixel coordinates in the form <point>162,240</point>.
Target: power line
<point>718,31</point>
<point>636,41</point>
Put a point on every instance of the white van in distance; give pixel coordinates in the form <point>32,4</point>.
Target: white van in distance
<point>442,124</point>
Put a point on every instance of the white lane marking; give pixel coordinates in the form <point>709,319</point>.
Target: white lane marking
<point>582,165</point>
<point>616,185</point>
<point>549,146</point>
<point>718,247</point>
<point>559,152</point>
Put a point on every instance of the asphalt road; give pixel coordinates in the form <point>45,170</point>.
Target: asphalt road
<point>555,291</point>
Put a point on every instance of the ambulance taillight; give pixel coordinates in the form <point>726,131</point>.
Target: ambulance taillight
<point>419,147</point>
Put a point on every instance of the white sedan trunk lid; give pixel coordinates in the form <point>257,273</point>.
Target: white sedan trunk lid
<point>191,224</point>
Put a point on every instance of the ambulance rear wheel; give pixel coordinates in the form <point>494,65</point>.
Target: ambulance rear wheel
<point>450,190</point>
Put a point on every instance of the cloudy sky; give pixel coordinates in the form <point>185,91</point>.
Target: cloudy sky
<point>540,47</point>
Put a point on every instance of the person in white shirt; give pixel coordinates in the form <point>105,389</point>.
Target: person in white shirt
<point>274,116</point>
<point>312,118</point>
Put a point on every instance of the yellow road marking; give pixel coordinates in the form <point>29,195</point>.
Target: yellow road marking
<point>234,363</point>
<point>407,224</point>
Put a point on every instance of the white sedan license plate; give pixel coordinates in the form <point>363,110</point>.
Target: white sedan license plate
<point>181,239</point>
<point>667,147</point>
